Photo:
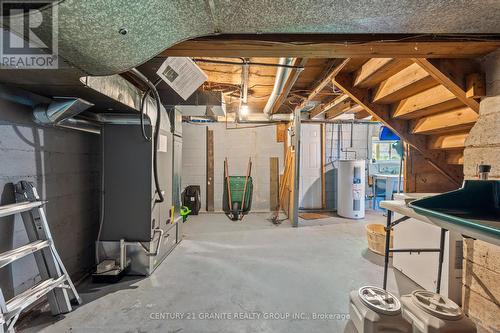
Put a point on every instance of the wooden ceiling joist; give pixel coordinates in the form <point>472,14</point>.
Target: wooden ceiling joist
<point>339,103</point>
<point>453,120</point>
<point>322,84</point>
<point>339,108</point>
<point>447,82</point>
<point>361,96</point>
<point>411,80</point>
<point>377,70</point>
<point>355,109</point>
<point>447,141</point>
<point>427,102</point>
<point>362,114</point>
<point>475,85</point>
<point>375,49</point>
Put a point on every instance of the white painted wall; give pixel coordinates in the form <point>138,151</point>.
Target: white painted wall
<point>237,145</point>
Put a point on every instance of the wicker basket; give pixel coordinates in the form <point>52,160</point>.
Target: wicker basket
<point>375,234</point>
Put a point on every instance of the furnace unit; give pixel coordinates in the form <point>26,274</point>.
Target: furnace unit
<point>138,230</point>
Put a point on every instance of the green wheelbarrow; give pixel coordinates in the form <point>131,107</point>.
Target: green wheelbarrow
<point>237,195</point>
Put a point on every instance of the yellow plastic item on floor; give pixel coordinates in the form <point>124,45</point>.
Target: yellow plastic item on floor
<point>375,234</point>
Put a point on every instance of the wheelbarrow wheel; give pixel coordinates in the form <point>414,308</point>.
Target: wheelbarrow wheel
<point>236,211</point>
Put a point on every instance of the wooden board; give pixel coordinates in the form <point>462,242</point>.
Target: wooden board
<point>323,166</point>
<point>475,85</point>
<point>403,84</point>
<point>210,170</point>
<point>421,176</point>
<point>453,120</point>
<point>377,70</point>
<point>273,183</point>
<point>427,102</point>
<point>324,49</point>
<point>455,157</point>
<point>281,132</point>
<point>447,141</point>
<point>449,73</point>
<point>362,97</point>
<point>313,216</point>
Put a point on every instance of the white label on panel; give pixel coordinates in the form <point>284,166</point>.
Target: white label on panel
<point>182,74</point>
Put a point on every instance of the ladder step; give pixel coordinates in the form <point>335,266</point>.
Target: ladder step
<point>26,298</point>
<point>19,207</point>
<point>15,254</point>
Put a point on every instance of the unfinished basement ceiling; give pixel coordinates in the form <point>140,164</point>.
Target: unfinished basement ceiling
<point>89,35</point>
<point>228,79</point>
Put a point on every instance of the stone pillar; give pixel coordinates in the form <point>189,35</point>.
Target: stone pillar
<point>481,291</point>
<point>483,143</point>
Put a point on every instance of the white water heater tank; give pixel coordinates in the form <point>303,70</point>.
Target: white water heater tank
<point>351,189</point>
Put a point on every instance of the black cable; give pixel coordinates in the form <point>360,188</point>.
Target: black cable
<point>143,103</point>
<point>156,95</point>
<point>143,131</point>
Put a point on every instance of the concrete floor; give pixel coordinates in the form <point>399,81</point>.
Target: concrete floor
<point>267,273</point>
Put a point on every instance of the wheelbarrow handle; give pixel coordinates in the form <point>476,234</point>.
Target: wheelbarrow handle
<point>249,171</point>
<point>228,179</point>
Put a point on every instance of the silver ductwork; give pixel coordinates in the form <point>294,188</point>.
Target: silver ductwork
<point>282,74</point>
<point>81,125</point>
<point>59,110</point>
<point>203,104</point>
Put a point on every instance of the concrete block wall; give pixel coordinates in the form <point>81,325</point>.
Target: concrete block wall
<point>64,165</point>
<point>237,145</point>
<point>194,159</point>
<point>357,149</point>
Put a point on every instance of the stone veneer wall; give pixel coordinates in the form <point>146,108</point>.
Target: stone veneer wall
<point>481,290</point>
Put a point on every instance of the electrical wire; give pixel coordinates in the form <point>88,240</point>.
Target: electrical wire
<point>244,62</point>
<point>143,131</point>
<point>156,95</point>
<point>144,106</point>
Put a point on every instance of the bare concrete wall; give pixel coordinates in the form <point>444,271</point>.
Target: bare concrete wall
<point>64,165</point>
<point>237,145</point>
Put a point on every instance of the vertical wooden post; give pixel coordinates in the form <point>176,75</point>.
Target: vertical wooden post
<point>296,169</point>
<point>409,181</point>
<point>210,170</point>
<point>273,183</point>
<point>323,166</point>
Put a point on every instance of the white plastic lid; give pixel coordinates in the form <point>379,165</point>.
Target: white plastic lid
<point>379,300</point>
<point>437,305</point>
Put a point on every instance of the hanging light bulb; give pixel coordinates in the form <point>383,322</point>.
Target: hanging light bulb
<point>243,109</point>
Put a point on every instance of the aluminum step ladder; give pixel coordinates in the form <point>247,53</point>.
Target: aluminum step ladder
<point>55,279</point>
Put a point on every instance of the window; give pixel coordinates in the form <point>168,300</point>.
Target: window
<point>384,151</point>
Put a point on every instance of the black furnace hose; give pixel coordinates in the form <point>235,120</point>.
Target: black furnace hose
<point>156,95</point>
